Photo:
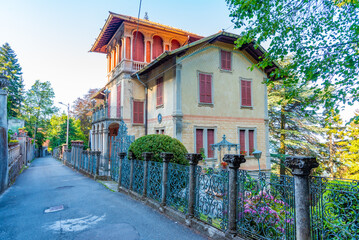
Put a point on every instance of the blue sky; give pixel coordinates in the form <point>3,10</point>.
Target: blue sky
<point>52,38</point>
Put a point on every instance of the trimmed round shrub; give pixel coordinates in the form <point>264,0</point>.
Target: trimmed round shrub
<point>158,143</point>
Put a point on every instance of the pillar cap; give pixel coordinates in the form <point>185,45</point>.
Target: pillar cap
<point>166,156</point>
<point>301,165</point>
<point>234,160</point>
<point>193,158</point>
<point>147,156</point>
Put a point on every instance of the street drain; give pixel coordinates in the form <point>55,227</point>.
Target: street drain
<point>63,187</point>
<point>54,209</point>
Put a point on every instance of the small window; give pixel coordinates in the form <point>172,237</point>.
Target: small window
<point>160,131</point>
<point>226,60</point>
<point>138,112</point>
<point>205,88</point>
<point>204,140</point>
<point>246,93</point>
<point>159,94</point>
<point>247,141</point>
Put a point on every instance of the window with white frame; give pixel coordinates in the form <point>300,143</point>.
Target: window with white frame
<point>247,140</point>
<point>204,137</point>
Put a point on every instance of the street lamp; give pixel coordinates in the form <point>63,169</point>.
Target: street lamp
<point>67,131</point>
<point>257,154</point>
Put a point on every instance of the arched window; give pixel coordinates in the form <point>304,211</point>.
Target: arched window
<point>157,47</point>
<point>174,44</point>
<point>138,50</point>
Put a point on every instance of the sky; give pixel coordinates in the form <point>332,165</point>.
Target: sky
<point>52,38</point>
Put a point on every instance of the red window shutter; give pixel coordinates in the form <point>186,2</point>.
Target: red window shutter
<point>109,105</point>
<point>202,88</point>
<point>174,44</point>
<point>223,60</point>
<point>157,47</point>
<point>229,61</point>
<point>251,141</point>
<point>208,90</point>
<point>246,93</point>
<point>159,93</point>
<point>137,112</point>
<point>199,140</point>
<point>242,140</point>
<point>119,101</point>
<point>138,51</point>
<point>210,140</point>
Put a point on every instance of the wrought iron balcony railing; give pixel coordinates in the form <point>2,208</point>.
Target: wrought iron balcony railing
<point>105,112</point>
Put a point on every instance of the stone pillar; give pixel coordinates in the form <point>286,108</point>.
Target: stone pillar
<point>97,157</point>
<point>166,156</point>
<point>105,151</point>
<point>121,156</point>
<point>234,162</point>
<point>147,156</point>
<point>73,149</point>
<point>301,167</point>
<point>131,158</point>
<point>193,159</point>
<point>3,137</point>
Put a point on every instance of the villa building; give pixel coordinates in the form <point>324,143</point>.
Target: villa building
<point>163,80</point>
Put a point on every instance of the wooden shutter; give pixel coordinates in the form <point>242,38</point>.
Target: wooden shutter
<point>208,89</point>
<point>159,93</point>
<point>174,44</point>
<point>246,93</point>
<point>199,140</point>
<point>251,141</point>
<point>210,140</point>
<point>202,88</point>
<point>157,47</point>
<point>242,139</point>
<point>119,101</point>
<point>137,112</point>
<point>226,60</point>
<point>138,51</point>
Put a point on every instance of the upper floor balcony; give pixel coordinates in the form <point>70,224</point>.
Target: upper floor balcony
<point>103,112</point>
<point>126,65</point>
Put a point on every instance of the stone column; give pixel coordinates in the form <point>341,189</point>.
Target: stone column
<point>105,151</point>
<point>147,156</point>
<point>131,158</point>
<point>301,167</point>
<point>166,156</point>
<point>73,148</point>
<point>97,157</point>
<point>121,156</point>
<point>3,137</point>
<point>193,159</point>
<point>234,162</point>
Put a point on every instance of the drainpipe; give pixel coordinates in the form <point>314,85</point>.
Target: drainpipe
<point>146,101</point>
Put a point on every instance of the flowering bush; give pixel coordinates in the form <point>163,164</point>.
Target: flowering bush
<point>264,214</point>
<point>243,152</point>
<point>224,164</point>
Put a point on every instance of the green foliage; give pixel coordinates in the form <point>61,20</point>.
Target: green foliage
<point>319,39</point>
<point>158,143</point>
<point>13,141</point>
<point>11,69</point>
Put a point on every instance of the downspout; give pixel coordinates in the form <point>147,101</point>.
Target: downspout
<point>146,100</point>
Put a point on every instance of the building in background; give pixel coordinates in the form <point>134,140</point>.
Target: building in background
<point>163,80</point>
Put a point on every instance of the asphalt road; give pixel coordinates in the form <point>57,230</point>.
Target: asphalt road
<point>90,210</point>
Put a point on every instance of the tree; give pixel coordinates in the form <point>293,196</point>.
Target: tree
<point>349,151</point>
<point>81,108</point>
<point>294,128</point>
<point>57,131</point>
<point>319,38</point>
<point>11,69</point>
<point>39,106</point>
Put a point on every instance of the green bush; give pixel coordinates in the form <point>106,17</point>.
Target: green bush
<point>158,143</point>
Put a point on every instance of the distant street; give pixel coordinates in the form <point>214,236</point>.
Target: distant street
<point>32,209</point>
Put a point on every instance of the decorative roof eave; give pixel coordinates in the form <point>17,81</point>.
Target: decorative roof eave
<point>220,36</point>
<point>114,20</point>
<point>99,94</point>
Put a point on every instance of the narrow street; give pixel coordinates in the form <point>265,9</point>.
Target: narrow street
<point>90,211</point>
